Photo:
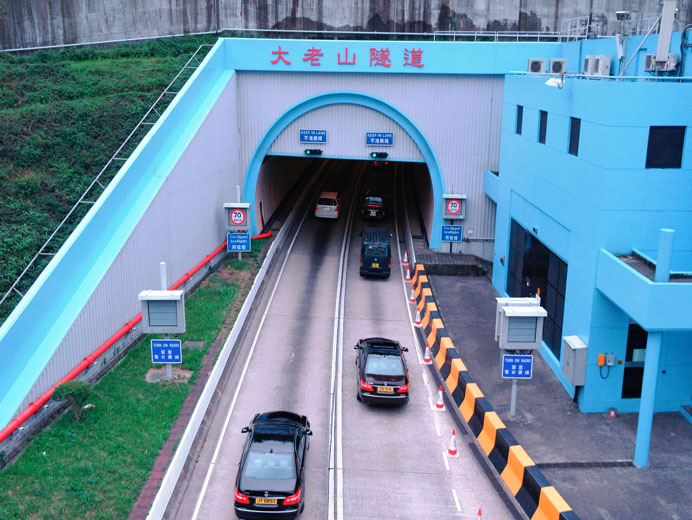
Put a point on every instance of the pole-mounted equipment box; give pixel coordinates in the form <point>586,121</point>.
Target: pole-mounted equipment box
<point>521,328</point>
<point>238,216</point>
<point>454,206</point>
<point>163,312</point>
<point>574,360</point>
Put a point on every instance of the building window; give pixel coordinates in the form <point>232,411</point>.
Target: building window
<point>520,118</point>
<point>574,127</point>
<point>532,266</point>
<point>542,125</point>
<point>665,147</point>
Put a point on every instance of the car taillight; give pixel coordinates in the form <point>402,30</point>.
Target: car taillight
<point>365,386</point>
<point>390,263</point>
<point>403,389</point>
<point>239,497</point>
<point>293,499</point>
<point>361,261</point>
<point>317,208</point>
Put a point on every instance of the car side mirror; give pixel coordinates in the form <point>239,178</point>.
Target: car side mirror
<point>405,349</point>
<point>245,429</point>
<point>308,432</point>
<point>358,347</point>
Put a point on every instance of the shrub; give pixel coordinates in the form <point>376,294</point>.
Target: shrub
<point>76,392</point>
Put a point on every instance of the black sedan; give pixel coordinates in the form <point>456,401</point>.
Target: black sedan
<point>270,479</point>
<point>382,371</point>
<point>372,207</point>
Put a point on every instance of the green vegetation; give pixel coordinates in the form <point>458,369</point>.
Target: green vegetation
<point>63,114</point>
<point>76,392</point>
<point>94,469</point>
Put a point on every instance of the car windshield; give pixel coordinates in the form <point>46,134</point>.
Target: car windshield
<point>326,202</point>
<point>384,365</point>
<point>376,250</point>
<point>373,201</point>
<point>270,465</point>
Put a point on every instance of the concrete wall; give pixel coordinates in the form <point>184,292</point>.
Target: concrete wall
<point>33,23</point>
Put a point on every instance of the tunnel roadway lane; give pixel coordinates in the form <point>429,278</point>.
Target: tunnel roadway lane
<point>390,461</point>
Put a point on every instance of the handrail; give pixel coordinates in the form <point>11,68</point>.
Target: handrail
<point>81,200</point>
<point>35,406</point>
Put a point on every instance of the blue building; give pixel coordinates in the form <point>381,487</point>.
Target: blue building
<point>590,174</point>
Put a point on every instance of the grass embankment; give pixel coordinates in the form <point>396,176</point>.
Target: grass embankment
<point>95,469</point>
<point>63,114</point>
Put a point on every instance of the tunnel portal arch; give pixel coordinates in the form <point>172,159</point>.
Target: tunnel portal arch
<point>352,98</point>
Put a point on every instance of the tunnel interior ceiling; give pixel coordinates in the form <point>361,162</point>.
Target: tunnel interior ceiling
<point>346,127</point>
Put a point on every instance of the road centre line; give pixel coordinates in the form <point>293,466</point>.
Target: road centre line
<point>207,478</point>
<point>336,484</point>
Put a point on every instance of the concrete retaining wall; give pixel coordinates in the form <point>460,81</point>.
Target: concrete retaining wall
<point>34,23</point>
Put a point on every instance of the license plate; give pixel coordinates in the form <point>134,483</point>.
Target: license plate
<point>266,501</point>
<point>375,264</point>
<point>385,389</point>
<point>373,213</point>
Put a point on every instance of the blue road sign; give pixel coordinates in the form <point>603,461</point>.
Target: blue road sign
<point>238,242</point>
<point>452,233</point>
<point>313,136</point>
<point>517,367</point>
<point>379,138</point>
<point>166,351</point>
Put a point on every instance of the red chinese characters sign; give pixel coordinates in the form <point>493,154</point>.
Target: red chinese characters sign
<point>381,57</point>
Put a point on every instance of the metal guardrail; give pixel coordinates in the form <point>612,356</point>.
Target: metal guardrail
<point>83,199</point>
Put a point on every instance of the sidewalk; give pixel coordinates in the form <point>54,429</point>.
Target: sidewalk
<point>587,457</point>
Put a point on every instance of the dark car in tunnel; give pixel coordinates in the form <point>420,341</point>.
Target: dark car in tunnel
<point>372,208</point>
<point>270,480</point>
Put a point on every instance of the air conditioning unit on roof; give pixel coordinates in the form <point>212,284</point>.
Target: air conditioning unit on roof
<point>558,65</point>
<point>597,65</point>
<point>536,66</point>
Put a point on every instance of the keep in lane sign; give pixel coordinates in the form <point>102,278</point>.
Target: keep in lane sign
<point>166,351</point>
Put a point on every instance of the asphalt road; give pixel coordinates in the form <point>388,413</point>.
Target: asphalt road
<point>364,461</point>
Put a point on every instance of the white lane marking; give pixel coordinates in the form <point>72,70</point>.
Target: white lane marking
<point>432,406</point>
<point>207,478</point>
<point>336,462</point>
<point>444,457</point>
<point>416,343</point>
<point>437,426</point>
<point>456,499</point>
<point>425,378</point>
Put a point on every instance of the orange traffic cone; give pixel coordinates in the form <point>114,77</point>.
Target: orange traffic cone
<point>412,298</point>
<point>427,357</point>
<point>418,322</point>
<point>408,275</point>
<point>480,514</point>
<point>452,451</point>
<point>440,404</point>
<point>405,262</point>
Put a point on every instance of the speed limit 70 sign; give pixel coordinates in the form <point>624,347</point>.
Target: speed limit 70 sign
<point>454,206</point>
<point>238,216</point>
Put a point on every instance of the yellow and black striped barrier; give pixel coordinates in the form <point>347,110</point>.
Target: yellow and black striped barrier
<point>531,489</point>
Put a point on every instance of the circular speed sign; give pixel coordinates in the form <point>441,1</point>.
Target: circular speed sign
<point>237,217</point>
<point>453,206</point>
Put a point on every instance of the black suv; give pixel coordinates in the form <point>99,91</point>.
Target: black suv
<point>382,371</point>
<point>270,479</point>
<point>375,252</point>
